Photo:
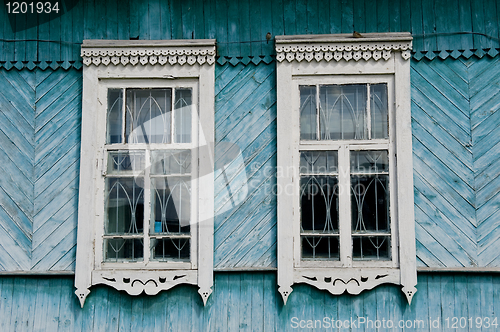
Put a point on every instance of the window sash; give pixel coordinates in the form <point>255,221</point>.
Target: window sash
<point>343,147</point>
<point>148,236</point>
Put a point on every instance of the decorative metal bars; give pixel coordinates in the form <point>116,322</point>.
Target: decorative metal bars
<point>341,113</point>
<point>139,170</point>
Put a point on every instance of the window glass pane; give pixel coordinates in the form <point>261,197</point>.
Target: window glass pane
<point>319,204</point>
<point>114,116</point>
<point>123,249</point>
<point>170,249</point>
<point>343,112</point>
<point>170,205</point>
<point>317,247</point>
<point>148,116</point>
<point>123,161</point>
<point>369,162</point>
<point>371,247</point>
<point>124,206</point>
<point>318,162</point>
<point>379,110</point>
<point>308,115</point>
<point>170,162</point>
<point>370,203</point>
<point>183,109</point>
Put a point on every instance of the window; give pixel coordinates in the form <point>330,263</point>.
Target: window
<point>146,185</point>
<point>345,187</point>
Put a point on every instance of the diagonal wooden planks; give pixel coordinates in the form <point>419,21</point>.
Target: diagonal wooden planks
<point>245,117</point>
<point>40,115</point>
<point>456,145</point>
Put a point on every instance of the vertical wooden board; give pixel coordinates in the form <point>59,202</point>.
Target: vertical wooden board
<point>233,29</point>
<point>54,295</point>
<point>221,27</point>
<point>417,28</point>
<point>490,24</point>
<point>478,22</point>
<point>370,20</point>
<point>245,302</point>
<point>20,44</point>
<point>187,20</point>
<point>137,317</point>
<point>272,302</point>
<point>290,27</point>
<point>486,299</point>
<point>244,27</point>
<point>165,20</point>
<point>465,23</point>
<point>312,17</point>
<point>6,302</point>
<point>143,16</point>
<point>125,312</point>
<point>20,306</point>
<point>278,18</point>
<point>42,305</point>
<point>233,314</point>
<point>405,16</point>
<point>67,36</point>
<point>301,16</point>
<point>496,296</point>
<point>266,26</point>
<point>360,16</point>
<point>155,23</point>
<point>474,297</point>
<point>444,17</point>
<point>345,310</point>
<point>383,15</point>
<point>199,18</point>
<point>55,37</point>
<point>395,16</point>
<point>134,19</point>
<point>112,19</point>
<point>448,289</point>
<point>68,307</point>
<point>434,294</point>
<point>429,17</point>
<point>123,23</point>
<point>347,16</point>
<point>323,17</point>
<point>257,308</point>
<point>210,19</point>
<point>255,30</point>
<point>221,297</point>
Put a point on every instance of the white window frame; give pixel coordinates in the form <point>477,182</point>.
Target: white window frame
<point>145,64</point>
<point>342,59</point>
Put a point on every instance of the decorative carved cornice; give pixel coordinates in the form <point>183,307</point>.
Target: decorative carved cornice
<point>374,46</point>
<point>161,52</point>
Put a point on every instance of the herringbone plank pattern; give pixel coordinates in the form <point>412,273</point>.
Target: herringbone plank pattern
<point>40,133</point>
<point>455,113</point>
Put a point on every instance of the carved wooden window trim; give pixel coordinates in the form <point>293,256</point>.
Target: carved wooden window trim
<point>315,60</point>
<point>168,65</point>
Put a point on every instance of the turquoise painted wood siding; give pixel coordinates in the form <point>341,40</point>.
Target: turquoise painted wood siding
<point>455,110</point>
<point>240,26</point>
<point>245,205</point>
<point>40,150</point>
<point>455,116</point>
<point>243,302</point>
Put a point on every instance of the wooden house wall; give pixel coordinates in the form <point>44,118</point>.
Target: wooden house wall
<point>245,302</point>
<point>455,111</point>
<point>441,28</point>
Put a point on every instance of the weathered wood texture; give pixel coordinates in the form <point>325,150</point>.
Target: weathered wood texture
<point>245,206</point>
<point>455,139</point>
<point>40,146</point>
<point>240,27</point>
<point>455,110</point>
<point>243,302</point>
